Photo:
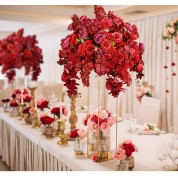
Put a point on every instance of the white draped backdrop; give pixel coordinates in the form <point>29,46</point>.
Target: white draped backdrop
<point>150,30</point>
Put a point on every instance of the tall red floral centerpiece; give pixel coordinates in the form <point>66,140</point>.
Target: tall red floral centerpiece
<point>106,45</point>
<point>17,51</point>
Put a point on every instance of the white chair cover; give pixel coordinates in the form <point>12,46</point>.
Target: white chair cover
<point>150,110</point>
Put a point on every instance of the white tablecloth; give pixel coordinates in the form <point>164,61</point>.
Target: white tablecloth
<point>25,148</point>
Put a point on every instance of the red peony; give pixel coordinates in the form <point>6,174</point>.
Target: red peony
<point>74,134</point>
<point>106,45</point>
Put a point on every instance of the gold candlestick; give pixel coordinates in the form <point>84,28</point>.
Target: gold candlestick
<point>63,140</point>
<point>22,115</point>
<point>37,123</point>
<point>32,101</point>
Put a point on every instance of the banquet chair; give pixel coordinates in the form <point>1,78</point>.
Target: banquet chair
<point>57,89</point>
<point>47,91</point>
<point>8,92</point>
<point>94,98</point>
<point>20,82</point>
<point>2,84</point>
<point>40,85</point>
<point>1,96</point>
<point>111,104</point>
<point>150,111</point>
<point>176,121</point>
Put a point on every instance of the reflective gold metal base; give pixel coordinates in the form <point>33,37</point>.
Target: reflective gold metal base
<point>62,142</point>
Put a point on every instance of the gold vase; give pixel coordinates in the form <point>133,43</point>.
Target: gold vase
<point>28,119</point>
<point>49,131</point>
<point>73,116</point>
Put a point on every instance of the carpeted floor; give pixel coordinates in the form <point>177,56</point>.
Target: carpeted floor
<point>3,166</point>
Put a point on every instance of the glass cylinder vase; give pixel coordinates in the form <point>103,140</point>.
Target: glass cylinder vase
<point>14,111</point>
<point>130,162</point>
<point>6,107</point>
<point>122,165</point>
<point>79,146</point>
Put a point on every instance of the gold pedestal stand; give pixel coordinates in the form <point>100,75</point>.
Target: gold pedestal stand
<point>73,117</point>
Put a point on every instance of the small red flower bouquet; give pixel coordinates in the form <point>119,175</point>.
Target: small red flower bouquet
<point>46,120</point>
<point>42,104</point>
<point>80,133</point>
<point>6,100</point>
<point>13,103</point>
<point>129,147</point>
<point>56,111</point>
<point>29,111</point>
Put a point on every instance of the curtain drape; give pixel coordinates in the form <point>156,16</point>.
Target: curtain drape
<point>155,57</point>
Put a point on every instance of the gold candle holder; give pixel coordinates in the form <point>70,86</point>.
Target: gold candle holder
<point>37,123</point>
<point>22,115</point>
<point>62,135</point>
<point>32,101</point>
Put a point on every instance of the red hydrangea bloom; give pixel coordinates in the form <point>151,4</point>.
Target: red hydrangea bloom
<point>106,45</point>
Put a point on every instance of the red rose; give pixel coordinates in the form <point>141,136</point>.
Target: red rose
<point>55,111</point>
<point>26,110</point>
<point>129,149</point>
<point>13,103</point>
<point>81,50</point>
<point>74,134</point>
<point>73,39</point>
<point>27,98</point>
<point>46,120</point>
<point>105,44</point>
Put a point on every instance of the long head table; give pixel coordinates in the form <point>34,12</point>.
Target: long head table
<point>25,148</point>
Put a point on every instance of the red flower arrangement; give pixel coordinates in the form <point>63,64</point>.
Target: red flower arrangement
<point>13,103</point>
<point>17,51</point>
<point>29,111</point>
<point>80,133</point>
<point>42,104</point>
<point>6,100</point>
<point>46,120</point>
<point>27,98</point>
<point>106,45</point>
<point>129,147</point>
<point>16,93</point>
<point>56,111</point>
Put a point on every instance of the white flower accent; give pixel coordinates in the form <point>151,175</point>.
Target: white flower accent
<point>103,114</point>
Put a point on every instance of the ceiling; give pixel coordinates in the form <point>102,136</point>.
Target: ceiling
<point>41,18</point>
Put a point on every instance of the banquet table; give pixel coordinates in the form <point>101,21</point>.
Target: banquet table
<point>24,148</point>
